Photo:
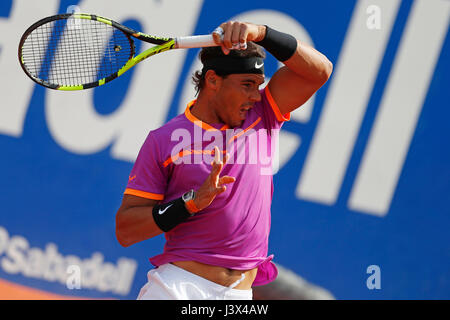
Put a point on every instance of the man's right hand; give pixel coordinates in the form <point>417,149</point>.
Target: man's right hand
<point>214,184</point>
<point>134,221</point>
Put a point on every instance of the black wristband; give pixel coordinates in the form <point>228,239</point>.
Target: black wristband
<point>281,45</point>
<point>169,215</point>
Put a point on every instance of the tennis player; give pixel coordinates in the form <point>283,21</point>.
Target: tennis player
<point>216,214</point>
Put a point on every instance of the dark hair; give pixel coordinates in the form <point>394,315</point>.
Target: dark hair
<point>253,50</point>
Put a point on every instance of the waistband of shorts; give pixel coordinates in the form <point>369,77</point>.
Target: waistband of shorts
<point>173,270</point>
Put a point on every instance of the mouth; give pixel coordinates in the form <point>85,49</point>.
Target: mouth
<point>243,111</point>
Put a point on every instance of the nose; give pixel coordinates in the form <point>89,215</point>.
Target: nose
<point>255,96</point>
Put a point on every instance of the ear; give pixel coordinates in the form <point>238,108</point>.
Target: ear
<point>212,80</point>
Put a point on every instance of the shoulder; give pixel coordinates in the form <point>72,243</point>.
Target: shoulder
<point>164,132</point>
<point>162,142</point>
<point>268,109</point>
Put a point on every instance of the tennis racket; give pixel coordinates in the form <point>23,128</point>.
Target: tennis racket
<point>82,51</point>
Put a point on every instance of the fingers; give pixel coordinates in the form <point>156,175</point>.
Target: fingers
<point>233,35</point>
<point>222,189</point>
<point>226,180</point>
<point>243,35</point>
<point>213,185</point>
<point>218,38</point>
<point>217,158</point>
<point>217,155</point>
<point>217,166</point>
<point>218,35</point>
<point>221,186</point>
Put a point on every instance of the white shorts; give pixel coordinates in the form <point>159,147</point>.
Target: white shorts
<point>169,282</point>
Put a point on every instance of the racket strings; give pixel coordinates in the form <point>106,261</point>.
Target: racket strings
<point>71,53</point>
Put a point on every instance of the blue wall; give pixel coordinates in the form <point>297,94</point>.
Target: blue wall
<point>59,193</point>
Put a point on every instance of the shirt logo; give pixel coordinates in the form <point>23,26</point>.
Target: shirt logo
<point>162,211</point>
<point>257,66</point>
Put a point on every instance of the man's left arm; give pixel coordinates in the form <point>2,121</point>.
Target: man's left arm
<point>303,74</point>
<point>305,70</point>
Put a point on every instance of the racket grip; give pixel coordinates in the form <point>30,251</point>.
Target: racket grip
<point>195,42</point>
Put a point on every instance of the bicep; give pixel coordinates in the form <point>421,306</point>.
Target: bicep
<point>134,220</point>
<point>303,74</point>
<point>130,201</point>
<point>290,90</point>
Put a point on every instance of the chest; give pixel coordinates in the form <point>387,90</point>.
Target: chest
<point>251,151</point>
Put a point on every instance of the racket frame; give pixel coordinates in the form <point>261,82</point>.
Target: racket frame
<point>161,44</point>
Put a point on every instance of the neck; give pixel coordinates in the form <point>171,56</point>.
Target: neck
<point>204,109</point>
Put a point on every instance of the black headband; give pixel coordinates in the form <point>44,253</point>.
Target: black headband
<point>225,65</point>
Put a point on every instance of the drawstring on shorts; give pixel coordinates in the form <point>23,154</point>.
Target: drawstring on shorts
<point>237,282</point>
<point>234,284</point>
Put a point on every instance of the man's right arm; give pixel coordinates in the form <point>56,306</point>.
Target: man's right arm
<point>134,220</point>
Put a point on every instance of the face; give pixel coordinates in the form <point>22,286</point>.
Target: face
<point>236,95</point>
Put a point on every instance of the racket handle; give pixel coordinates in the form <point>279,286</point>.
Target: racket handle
<point>195,42</point>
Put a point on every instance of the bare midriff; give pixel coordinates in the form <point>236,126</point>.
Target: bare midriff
<point>223,276</point>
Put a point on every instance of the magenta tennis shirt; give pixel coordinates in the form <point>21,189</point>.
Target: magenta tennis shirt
<point>233,231</point>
